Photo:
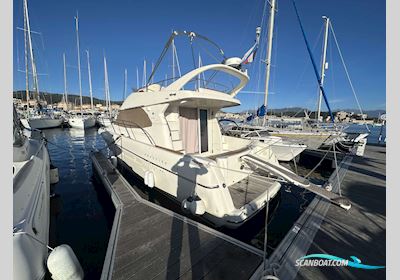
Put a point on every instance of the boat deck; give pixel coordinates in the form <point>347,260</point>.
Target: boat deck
<point>326,229</point>
<point>150,242</point>
<point>248,189</point>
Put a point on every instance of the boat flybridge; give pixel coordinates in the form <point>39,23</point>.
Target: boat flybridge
<point>170,136</point>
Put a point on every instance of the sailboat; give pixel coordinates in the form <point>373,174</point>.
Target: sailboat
<point>314,136</point>
<point>284,149</point>
<point>39,118</point>
<point>106,117</point>
<point>81,120</point>
<point>170,137</point>
<point>31,200</point>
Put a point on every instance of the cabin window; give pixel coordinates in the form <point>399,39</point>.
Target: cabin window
<point>203,130</point>
<point>134,117</point>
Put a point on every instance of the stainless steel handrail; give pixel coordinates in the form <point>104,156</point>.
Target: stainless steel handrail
<point>125,123</point>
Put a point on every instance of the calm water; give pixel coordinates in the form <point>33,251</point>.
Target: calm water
<point>82,212</point>
<point>375,131</point>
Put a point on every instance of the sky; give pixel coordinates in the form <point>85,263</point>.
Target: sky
<point>129,32</point>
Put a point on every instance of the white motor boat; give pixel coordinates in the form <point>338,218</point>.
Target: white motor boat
<point>170,137</point>
<point>31,200</point>
<point>82,121</point>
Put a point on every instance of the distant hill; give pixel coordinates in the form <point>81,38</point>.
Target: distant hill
<point>57,97</point>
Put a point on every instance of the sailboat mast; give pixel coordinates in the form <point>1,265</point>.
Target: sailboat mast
<point>108,92</point>
<point>323,64</point>
<point>26,64</point>
<point>79,59</point>
<point>65,82</point>
<point>105,82</point>
<point>269,53</point>
<point>144,74</point>
<point>33,65</point>
<point>90,80</point>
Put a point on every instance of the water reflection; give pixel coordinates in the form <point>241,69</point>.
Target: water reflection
<point>82,219</point>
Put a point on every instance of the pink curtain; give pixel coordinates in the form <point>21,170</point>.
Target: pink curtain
<point>189,129</point>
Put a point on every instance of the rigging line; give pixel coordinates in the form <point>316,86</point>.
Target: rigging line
<point>336,167</point>
<point>306,65</point>
<point>347,74</point>
<point>192,50</point>
<point>164,51</point>
<point>251,15</point>
<point>313,62</point>
<point>208,52</point>
<point>318,164</point>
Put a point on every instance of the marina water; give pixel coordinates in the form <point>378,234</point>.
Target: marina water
<point>81,212</point>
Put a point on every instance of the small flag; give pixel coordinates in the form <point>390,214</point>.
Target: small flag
<point>250,54</point>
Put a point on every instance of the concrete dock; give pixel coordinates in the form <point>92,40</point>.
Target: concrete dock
<point>327,229</point>
<point>150,242</point>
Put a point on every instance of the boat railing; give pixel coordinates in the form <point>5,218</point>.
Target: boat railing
<point>129,125</point>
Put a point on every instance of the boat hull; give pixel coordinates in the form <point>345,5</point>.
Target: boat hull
<point>41,123</point>
<point>31,201</point>
<point>82,123</point>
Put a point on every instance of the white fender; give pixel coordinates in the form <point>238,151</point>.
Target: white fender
<point>114,161</point>
<point>150,179</point>
<point>63,264</point>
<point>54,177</point>
<point>146,176</point>
<point>194,205</point>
